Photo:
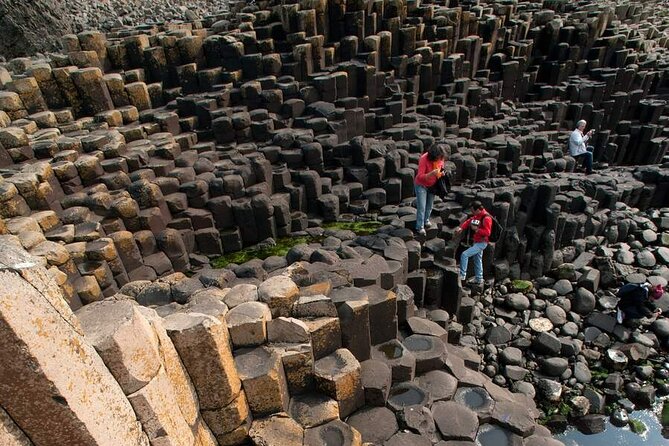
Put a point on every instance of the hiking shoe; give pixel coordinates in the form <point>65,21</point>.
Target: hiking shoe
<point>619,316</point>
<point>421,232</point>
<point>428,225</point>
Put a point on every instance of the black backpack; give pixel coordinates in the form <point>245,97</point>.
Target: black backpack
<point>496,229</point>
<point>441,187</point>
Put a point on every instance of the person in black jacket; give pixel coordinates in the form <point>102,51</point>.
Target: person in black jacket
<point>636,302</point>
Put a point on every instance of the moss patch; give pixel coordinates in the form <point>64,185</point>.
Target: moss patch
<point>637,427</point>
<point>284,244</point>
<point>359,227</point>
<point>522,286</point>
<point>599,373</point>
<point>281,248</point>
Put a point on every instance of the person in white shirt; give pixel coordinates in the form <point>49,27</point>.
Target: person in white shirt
<point>578,148</point>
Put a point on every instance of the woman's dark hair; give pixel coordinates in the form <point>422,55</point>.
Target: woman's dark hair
<point>435,152</point>
<point>476,205</point>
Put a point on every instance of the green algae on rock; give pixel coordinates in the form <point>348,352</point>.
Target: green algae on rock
<point>522,286</point>
<point>283,245</point>
<point>280,248</point>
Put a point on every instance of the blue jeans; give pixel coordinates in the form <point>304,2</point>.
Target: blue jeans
<point>587,158</point>
<point>424,201</point>
<point>476,250</point>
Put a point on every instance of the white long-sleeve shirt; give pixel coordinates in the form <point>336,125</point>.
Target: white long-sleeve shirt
<point>577,142</point>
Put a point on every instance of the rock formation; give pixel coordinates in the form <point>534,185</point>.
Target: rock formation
<point>132,160</point>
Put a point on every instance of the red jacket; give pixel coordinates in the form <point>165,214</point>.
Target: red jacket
<point>485,226</point>
<point>426,166</point>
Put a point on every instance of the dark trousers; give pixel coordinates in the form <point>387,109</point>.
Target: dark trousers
<point>587,159</point>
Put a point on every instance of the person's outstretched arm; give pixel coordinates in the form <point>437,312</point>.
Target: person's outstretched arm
<point>465,224</point>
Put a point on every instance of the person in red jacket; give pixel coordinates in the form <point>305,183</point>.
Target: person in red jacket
<point>481,225</point>
<point>430,169</point>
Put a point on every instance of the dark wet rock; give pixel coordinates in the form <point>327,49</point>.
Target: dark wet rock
<point>376,424</point>
<point>642,396</point>
<point>582,373</point>
<point>490,434</point>
<point>477,399</point>
<point>620,418</point>
<point>334,432</point>
<point>591,424</point>
<point>407,394</point>
<point>546,343</point>
<point>376,380</point>
<point>583,302</point>
<point>661,328</point>
<point>429,352</point>
<point>426,327</point>
<point>420,421</point>
<point>312,410</point>
<point>439,384</point>
<point>514,417</point>
<point>498,335</point>
<point>400,360</point>
<point>512,356</point>
<point>454,421</point>
<point>549,390</point>
<point>407,439</point>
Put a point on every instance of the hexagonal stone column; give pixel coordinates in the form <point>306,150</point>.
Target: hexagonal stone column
<point>382,314</point>
<point>47,367</point>
<point>400,360</point>
<point>204,347</point>
<point>264,380</point>
<point>429,351</point>
<point>313,409</point>
<point>247,324</point>
<point>155,406</point>
<point>353,310</point>
<point>407,394</point>
<point>376,381</point>
<point>279,292</point>
<point>130,348</point>
<point>325,335</point>
<point>455,421</point>
<point>375,424</point>
<point>334,432</point>
<point>125,341</point>
<point>10,433</point>
<point>338,376</point>
<point>278,429</point>
<point>298,365</point>
<point>184,390</point>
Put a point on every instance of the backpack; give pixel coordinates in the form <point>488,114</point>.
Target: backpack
<point>441,187</point>
<point>496,229</point>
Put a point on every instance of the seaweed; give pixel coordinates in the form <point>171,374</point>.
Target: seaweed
<point>638,427</point>
<point>664,417</point>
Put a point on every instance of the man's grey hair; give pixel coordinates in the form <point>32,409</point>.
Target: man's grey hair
<point>580,123</point>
